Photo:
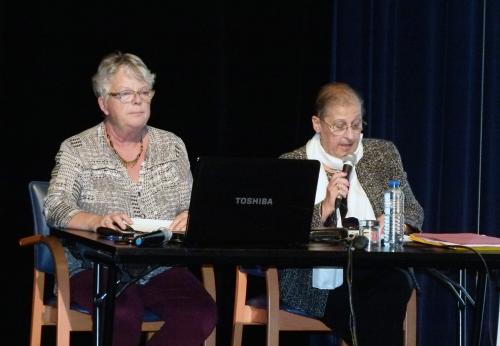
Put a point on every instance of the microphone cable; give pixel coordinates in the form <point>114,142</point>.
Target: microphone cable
<point>488,282</point>
<point>456,288</point>
<point>145,272</point>
<point>349,276</point>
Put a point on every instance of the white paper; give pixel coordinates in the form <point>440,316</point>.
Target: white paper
<point>149,225</point>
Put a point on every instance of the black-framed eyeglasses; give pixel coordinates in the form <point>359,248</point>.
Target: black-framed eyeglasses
<point>127,96</point>
<point>339,127</point>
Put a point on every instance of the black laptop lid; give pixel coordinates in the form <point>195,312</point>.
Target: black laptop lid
<point>251,201</point>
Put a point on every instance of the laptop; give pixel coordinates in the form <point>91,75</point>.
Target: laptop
<point>251,202</point>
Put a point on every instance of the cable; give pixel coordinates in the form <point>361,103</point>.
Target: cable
<point>456,288</point>
<point>353,243</point>
<point>488,282</point>
<point>349,275</point>
<point>145,272</point>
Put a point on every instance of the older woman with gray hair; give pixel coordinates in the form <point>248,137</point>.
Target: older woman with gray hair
<point>120,169</point>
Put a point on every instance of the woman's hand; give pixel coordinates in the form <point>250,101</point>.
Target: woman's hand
<point>115,221</point>
<point>179,223</point>
<point>338,186</point>
<point>91,222</point>
<point>380,220</point>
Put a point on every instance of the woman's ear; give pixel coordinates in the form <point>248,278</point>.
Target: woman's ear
<point>102,105</point>
<point>316,123</point>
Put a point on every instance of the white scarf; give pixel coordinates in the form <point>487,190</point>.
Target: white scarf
<point>358,204</point>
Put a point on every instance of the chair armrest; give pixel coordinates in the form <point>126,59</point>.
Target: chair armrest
<point>61,270</point>
<point>31,240</point>
<point>273,298</point>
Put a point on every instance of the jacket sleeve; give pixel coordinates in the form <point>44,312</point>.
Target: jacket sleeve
<point>381,162</point>
<point>61,201</point>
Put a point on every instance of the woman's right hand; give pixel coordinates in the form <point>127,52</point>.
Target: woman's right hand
<point>337,186</point>
<point>116,221</point>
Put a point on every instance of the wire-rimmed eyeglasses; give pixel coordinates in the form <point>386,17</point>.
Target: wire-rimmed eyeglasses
<point>127,96</point>
<point>339,127</point>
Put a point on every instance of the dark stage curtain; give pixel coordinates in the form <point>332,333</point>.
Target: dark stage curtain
<point>239,79</point>
<point>428,71</point>
<point>234,78</point>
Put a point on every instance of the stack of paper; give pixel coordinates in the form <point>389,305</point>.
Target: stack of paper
<point>473,240</point>
<point>149,225</point>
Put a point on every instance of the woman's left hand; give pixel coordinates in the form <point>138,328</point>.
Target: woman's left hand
<point>380,220</point>
<point>179,223</point>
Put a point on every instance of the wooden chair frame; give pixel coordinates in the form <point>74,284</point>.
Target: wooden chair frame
<point>276,320</point>
<point>60,315</point>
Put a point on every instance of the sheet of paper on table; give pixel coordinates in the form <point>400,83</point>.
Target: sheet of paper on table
<point>149,225</point>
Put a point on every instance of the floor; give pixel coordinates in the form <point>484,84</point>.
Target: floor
<point>253,336</point>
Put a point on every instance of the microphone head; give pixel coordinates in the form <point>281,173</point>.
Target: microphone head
<point>154,238</point>
<point>349,162</point>
<point>349,159</point>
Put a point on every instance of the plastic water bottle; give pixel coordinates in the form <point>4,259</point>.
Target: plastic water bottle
<point>394,214</point>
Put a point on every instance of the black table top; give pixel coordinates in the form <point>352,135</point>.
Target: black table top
<point>311,254</point>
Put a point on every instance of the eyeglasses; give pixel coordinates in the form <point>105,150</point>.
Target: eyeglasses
<point>339,127</point>
<point>127,96</point>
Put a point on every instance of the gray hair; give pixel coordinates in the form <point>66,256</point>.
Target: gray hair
<point>110,65</point>
<point>336,94</point>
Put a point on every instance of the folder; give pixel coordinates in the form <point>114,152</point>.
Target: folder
<point>472,240</point>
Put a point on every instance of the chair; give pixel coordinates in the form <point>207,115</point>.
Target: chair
<point>49,259</point>
<point>276,319</point>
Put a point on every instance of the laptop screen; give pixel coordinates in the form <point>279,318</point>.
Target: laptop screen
<point>251,201</point>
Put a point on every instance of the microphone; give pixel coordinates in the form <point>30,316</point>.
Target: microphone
<point>349,162</point>
<point>153,238</point>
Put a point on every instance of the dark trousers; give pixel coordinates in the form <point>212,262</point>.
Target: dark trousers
<point>176,296</point>
<point>379,298</point>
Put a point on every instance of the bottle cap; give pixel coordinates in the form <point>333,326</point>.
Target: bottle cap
<point>393,183</point>
<point>368,223</point>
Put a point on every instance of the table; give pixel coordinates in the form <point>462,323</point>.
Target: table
<point>106,254</point>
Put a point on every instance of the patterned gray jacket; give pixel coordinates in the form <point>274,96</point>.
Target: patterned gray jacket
<point>89,177</point>
<point>380,163</point>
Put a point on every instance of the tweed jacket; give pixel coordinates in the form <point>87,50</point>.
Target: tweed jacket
<point>88,176</point>
<point>380,163</point>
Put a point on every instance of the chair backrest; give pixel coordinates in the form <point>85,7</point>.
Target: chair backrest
<point>43,257</point>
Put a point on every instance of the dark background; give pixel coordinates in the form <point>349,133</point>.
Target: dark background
<point>239,79</point>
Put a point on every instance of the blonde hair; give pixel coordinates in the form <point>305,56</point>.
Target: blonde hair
<point>110,65</point>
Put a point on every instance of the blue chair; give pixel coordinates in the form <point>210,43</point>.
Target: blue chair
<point>49,259</point>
